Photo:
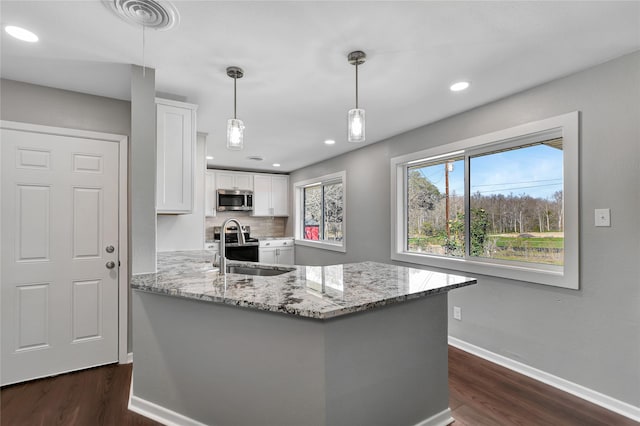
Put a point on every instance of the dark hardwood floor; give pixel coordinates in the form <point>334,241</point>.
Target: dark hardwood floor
<point>481,393</point>
<point>93,397</point>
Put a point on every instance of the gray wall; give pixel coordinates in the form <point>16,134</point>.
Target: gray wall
<point>47,106</point>
<point>591,336</point>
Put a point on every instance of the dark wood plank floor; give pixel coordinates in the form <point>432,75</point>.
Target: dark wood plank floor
<point>481,394</point>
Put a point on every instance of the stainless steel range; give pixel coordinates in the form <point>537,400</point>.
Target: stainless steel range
<point>248,252</point>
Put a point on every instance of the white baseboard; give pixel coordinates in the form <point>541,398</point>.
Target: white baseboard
<point>442,418</point>
<point>580,391</point>
<point>129,357</point>
<point>160,414</point>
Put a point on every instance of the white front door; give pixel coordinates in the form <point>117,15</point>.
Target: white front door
<point>59,278</point>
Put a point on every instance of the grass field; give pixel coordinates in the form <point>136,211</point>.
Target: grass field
<point>536,247</point>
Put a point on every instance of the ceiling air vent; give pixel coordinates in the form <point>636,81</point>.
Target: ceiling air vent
<point>157,14</point>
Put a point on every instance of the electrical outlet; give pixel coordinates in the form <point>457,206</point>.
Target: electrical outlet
<point>457,313</point>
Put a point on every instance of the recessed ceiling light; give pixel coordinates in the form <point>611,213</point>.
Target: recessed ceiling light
<point>329,142</point>
<point>276,164</point>
<point>21,33</point>
<point>461,85</point>
<point>209,157</point>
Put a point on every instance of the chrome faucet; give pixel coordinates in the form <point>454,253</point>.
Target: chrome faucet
<point>222,252</point>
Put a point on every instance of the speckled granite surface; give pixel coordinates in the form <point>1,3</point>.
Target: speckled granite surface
<point>319,292</point>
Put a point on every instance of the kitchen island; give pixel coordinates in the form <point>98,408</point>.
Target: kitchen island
<point>361,343</point>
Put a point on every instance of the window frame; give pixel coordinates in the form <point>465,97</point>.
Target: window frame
<point>298,211</point>
<point>566,276</point>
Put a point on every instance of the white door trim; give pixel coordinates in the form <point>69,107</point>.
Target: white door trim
<point>123,224</point>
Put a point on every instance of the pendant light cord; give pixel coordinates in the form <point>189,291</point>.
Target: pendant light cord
<point>144,67</point>
<point>356,85</point>
<point>235,78</point>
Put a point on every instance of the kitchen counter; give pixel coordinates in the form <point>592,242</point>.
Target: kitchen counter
<point>320,292</point>
<point>341,345</point>
<point>274,238</point>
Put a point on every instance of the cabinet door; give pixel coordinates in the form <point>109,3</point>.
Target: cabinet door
<point>262,196</point>
<point>267,255</point>
<point>286,256</point>
<point>225,180</point>
<point>280,196</point>
<point>244,181</point>
<point>209,194</point>
<point>231,180</point>
<point>175,159</point>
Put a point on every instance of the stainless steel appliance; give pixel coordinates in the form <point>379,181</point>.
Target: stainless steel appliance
<point>234,200</point>
<point>248,252</point>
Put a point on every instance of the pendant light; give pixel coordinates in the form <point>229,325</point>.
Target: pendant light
<point>235,127</point>
<point>356,115</point>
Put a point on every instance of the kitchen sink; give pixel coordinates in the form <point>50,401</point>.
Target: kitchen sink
<point>263,272</point>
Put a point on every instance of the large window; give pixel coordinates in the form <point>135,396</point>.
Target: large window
<point>320,212</point>
<point>502,204</point>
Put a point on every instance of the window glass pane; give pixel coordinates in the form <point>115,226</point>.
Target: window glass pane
<point>517,204</point>
<point>333,212</point>
<point>435,194</point>
<point>312,212</point>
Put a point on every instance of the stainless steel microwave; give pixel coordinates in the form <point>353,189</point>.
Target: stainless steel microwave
<point>234,200</point>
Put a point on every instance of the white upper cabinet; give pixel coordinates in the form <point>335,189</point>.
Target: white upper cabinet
<point>176,143</point>
<point>271,195</point>
<point>234,180</point>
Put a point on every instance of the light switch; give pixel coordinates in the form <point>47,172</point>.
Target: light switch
<point>603,217</point>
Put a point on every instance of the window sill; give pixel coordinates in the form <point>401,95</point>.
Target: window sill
<point>321,245</point>
<point>514,272</point>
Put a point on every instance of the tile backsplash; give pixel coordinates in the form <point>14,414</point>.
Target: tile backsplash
<point>260,226</point>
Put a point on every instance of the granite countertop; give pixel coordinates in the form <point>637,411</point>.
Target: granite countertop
<point>320,292</point>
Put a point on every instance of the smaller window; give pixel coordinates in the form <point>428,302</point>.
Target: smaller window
<point>320,212</point>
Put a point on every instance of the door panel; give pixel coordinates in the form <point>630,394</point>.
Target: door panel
<point>59,213</point>
<point>32,304</point>
<point>87,208</point>
<point>87,307</point>
<point>33,217</point>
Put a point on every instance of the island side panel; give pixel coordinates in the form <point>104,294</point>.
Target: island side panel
<point>224,365</point>
<point>388,366</point>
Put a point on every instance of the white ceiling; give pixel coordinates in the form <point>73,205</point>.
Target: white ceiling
<point>298,85</point>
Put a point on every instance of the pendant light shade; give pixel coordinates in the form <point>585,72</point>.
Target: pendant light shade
<point>235,134</point>
<point>356,125</point>
<point>356,117</point>
<point>235,127</point>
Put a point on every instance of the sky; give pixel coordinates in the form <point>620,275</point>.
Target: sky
<point>535,171</point>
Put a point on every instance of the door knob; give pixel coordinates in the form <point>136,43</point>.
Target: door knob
<point>110,264</point>
<point>109,249</point>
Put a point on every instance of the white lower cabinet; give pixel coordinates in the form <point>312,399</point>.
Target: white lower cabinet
<point>277,252</point>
